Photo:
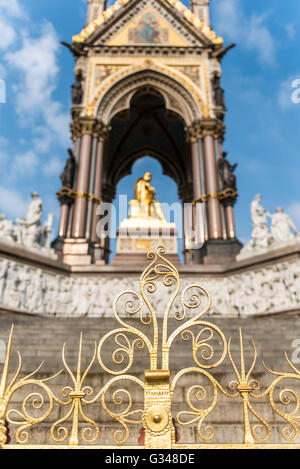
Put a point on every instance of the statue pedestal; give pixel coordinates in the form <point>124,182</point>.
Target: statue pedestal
<point>76,252</point>
<point>217,251</point>
<point>137,236</point>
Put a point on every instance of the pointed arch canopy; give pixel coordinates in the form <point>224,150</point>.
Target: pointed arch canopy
<point>179,93</point>
<point>145,124</point>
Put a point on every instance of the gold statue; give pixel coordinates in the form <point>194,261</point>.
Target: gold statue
<point>145,205</point>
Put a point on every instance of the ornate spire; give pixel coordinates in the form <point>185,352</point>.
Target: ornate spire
<point>200,8</point>
<point>189,15</point>
<point>95,9</point>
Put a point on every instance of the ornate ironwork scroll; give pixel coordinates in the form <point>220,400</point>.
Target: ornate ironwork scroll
<point>141,328</point>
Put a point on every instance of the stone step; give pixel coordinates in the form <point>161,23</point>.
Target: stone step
<point>42,339</point>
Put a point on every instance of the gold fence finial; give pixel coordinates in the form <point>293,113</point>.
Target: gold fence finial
<point>3,388</point>
<point>142,328</point>
<point>3,382</point>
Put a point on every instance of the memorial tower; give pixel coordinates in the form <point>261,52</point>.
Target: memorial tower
<point>148,84</point>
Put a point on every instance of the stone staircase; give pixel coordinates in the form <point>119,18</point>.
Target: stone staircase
<point>40,338</point>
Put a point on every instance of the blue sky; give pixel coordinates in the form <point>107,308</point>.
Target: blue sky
<point>263,123</point>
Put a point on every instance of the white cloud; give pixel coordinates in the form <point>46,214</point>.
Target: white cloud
<point>294,212</point>
<point>29,60</point>
<point>56,128</point>
<point>3,142</point>
<point>290,31</point>
<point>228,19</point>
<point>3,150</point>
<point>3,157</point>
<point>36,60</point>
<point>12,203</point>
<point>252,33</point>
<point>11,8</point>
<point>8,35</point>
<point>2,72</point>
<point>42,143</point>
<point>260,39</point>
<point>36,64</point>
<point>254,166</point>
<point>53,167</point>
<point>25,163</point>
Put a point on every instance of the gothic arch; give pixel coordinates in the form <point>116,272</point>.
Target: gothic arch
<point>168,170</point>
<point>145,125</point>
<point>179,93</point>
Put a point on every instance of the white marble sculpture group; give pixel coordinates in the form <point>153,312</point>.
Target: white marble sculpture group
<point>282,231</point>
<point>261,290</point>
<point>27,232</point>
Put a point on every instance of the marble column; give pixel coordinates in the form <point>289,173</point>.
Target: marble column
<point>69,230</point>
<point>97,189</point>
<point>198,191</point>
<point>227,207</point>
<point>230,222</point>
<point>219,150</point>
<point>63,220</point>
<point>91,191</point>
<point>66,204</point>
<point>76,149</point>
<point>211,181</point>
<point>80,207</point>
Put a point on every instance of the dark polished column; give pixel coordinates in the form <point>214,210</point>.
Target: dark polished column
<point>219,152</point>
<point>109,194</point>
<point>230,222</point>
<point>220,245</point>
<point>98,245</point>
<point>76,149</point>
<point>212,189</point>
<point>66,202</point>
<point>91,190</point>
<point>83,177</point>
<point>198,191</point>
<point>101,136</point>
<point>186,194</point>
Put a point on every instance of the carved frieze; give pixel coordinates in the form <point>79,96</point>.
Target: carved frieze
<point>263,290</point>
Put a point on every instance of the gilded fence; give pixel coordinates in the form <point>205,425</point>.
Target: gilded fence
<point>159,425</point>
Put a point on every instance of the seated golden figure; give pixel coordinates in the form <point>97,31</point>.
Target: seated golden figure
<point>145,205</point>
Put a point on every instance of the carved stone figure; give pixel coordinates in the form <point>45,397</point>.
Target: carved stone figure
<point>67,176</point>
<point>24,279</point>
<point>260,235</point>
<point>10,295</point>
<point>77,91</point>
<point>281,227</point>
<point>55,297</point>
<point>30,226</point>
<point>82,303</point>
<point>27,232</point>
<point>7,229</point>
<point>145,205</point>
<point>218,92</point>
<point>280,234</point>
<point>261,238</point>
<point>3,276</point>
<point>226,171</point>
<point>46,232</point>
<point>36,291</point>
